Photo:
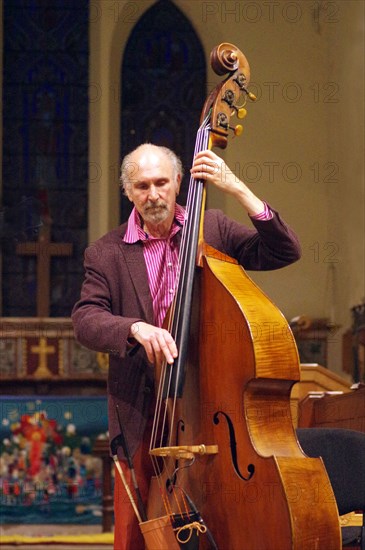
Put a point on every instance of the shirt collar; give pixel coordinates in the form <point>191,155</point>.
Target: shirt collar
<point>135,231</point>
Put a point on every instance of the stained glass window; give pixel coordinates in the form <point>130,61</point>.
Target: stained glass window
<point>45,146</point>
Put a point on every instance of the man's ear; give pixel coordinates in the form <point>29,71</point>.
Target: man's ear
<point>128,195</point>
<point>178,183</point>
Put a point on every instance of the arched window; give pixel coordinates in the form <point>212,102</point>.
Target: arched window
<point>163,86</point>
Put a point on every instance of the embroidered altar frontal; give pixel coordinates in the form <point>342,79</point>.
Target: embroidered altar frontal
<point>49,474</point>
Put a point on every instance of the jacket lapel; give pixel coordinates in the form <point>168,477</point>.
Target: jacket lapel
<point>134,260</point>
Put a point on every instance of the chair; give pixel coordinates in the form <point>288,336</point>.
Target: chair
<point>343,454</point>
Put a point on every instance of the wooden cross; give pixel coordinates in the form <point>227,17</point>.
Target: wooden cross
<point>43,351</point>
<point>44,249</point>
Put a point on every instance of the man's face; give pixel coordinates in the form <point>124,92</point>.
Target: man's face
<point>152,188</point>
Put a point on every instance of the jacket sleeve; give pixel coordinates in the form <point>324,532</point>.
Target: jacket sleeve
<point>271,244</point>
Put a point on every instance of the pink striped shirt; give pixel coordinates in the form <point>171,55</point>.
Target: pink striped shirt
<point>161,257</point>
<point>266,214</point>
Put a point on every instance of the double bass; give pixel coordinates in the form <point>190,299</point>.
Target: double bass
<point>230,474</point>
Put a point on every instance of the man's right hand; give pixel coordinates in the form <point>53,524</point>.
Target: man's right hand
<point>158,342</point>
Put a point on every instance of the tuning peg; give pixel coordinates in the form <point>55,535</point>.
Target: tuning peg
<point>241,113</point>
<point>222,120</point>
<point>237,130</point>
<point>249,94</point>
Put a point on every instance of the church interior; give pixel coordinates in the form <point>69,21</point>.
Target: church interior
<point>84,83</point>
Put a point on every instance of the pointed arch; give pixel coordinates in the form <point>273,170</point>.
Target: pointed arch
<point>163,85</point>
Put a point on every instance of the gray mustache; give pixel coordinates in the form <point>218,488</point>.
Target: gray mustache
<point>162,206</point>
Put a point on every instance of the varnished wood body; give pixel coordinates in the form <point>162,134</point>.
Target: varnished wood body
<point>242,366</point>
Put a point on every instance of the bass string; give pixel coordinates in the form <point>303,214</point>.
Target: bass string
<point>187,260</point>
<point>192,212</point>
<point>192,217</point>
<point>185,256</point>
<point>187,251</point>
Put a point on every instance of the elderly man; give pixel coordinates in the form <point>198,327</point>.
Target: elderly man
<point>127,290</point>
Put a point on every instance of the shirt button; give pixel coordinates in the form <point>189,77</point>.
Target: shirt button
<point>169,264</point>
<point>171,290</point>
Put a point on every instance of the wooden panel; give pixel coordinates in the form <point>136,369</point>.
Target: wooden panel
<point>334,411</point>
<point>317,380</point>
